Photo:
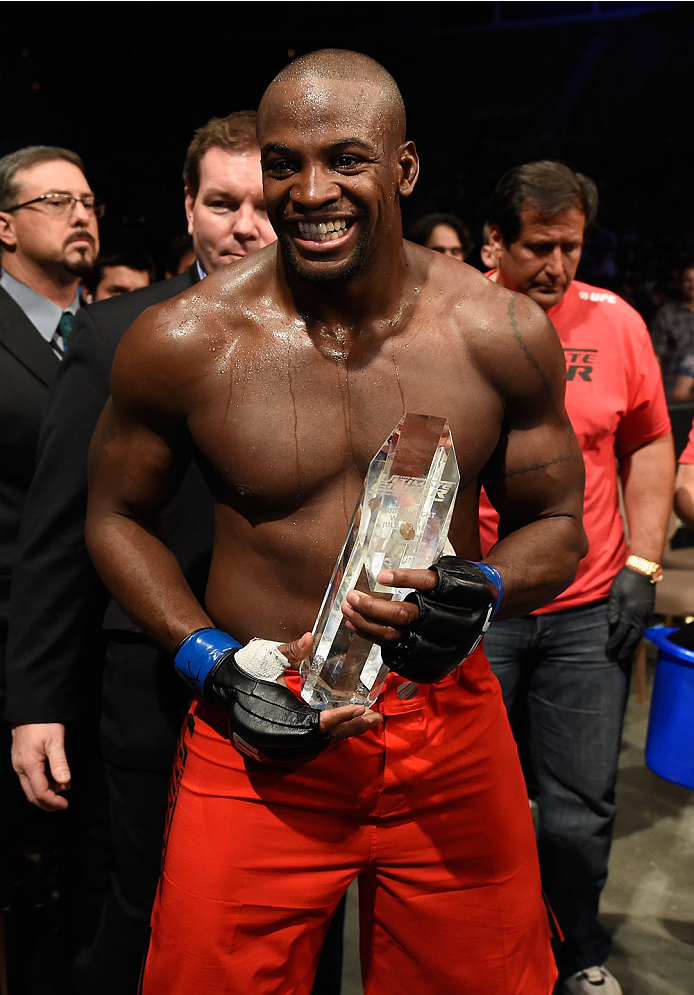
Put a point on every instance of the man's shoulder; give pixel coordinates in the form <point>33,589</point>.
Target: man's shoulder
<point>500,329</point>
<point>234,295</point>
<point>478,302</point>
<point>168,354</point>
<point>600,320</point>
<point>496,312</point>
<point>11,311</point>
<point>600,303</point>
<point>21,342</point>
<point>117,313</point>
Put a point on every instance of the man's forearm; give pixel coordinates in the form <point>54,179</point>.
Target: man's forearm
<point>682,388</point>
<point>684,493</point>
<point>648,479</point>
<point>538,562</point>
<point>145,578</point>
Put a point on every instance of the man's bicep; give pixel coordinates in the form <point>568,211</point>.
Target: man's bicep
<point>537,469</point>
<point>536,473</point>
<point>134,467</point>
<point>140,447</point>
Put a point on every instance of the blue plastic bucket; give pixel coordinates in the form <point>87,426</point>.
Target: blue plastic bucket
<point>670,740</point>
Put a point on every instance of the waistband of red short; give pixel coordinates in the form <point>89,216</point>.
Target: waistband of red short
<point>402,695</point>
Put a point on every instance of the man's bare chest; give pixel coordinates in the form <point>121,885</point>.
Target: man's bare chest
<point>284,426</point>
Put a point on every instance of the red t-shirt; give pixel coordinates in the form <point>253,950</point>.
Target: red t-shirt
<point>688,451</point>
<point>616,403</point>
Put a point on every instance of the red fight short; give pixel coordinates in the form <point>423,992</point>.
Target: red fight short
<point>429,810</point>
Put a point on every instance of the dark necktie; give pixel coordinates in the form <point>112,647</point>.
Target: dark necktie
<point>60,335</point>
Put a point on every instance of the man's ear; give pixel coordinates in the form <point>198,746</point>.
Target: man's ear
<point>189,201</point>
<point>8,236</point>
<point>408,168</point>
<point>496,240</point>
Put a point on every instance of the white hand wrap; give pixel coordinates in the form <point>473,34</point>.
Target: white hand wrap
<point>260,658</point>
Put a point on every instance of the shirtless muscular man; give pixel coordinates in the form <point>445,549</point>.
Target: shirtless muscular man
<point>282,376</point>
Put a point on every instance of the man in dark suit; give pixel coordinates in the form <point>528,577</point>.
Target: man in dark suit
<point>56,641</point>
<point>49,239</point>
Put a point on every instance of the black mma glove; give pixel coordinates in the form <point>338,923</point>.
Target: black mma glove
<point>452,620</point>
<point>266,721</point>
<point>629,607</point>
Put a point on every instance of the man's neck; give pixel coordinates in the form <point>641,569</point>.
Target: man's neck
<point>56,285</point>
<point>363,305</point>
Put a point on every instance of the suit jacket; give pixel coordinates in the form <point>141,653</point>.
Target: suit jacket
<point>58,604</point>
<point>28,366</point>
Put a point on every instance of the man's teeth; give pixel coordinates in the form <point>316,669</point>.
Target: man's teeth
<point>322,232</point>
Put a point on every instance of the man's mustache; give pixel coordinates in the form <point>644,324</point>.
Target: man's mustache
<point>81,237</point>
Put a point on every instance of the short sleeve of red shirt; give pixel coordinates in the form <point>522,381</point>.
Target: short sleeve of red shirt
<point>616,403</point>
<point>688,452</point>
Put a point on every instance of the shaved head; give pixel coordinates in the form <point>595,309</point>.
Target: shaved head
<point>335,160</point>
<point>353,67</point>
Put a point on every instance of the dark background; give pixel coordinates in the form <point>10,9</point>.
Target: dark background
<point>608,87</point>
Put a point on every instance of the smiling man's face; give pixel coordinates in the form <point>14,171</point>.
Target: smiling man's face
<point>331,174</point>
<point>46,239</point>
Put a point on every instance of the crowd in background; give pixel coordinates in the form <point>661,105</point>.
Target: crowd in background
<point>649,271</point>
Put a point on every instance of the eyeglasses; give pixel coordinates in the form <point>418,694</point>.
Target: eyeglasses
<point>64,203</point>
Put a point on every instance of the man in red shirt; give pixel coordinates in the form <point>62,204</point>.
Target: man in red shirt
<point>564,669</point>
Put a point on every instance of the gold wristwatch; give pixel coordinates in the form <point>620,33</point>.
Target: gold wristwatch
<point>648,568</point>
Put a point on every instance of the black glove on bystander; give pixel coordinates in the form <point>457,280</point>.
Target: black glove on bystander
<point>629,608</point>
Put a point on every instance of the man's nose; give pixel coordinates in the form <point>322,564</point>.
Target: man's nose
<point>246,222</point>
<point>314,187</point>
<point>80,214</point>
<point>554,262</point>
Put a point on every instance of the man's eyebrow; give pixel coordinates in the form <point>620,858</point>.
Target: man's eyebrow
<point>53,190</point>
<point>351,143</point>
<point>279,149</point>
<point>276,147</point>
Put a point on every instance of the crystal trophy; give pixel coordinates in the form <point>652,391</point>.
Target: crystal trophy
<point>401,520</point>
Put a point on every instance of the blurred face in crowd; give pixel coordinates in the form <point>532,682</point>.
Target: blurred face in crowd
<point>445,239</point>
<point>489,257</point>
<point>688,287</point>
<point>227,219</point>
<point>543,259</point>
<point>117,280</point>
<point>63,241</point>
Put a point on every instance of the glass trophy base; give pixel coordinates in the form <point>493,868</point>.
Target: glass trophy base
<point>318,694</point>
<point>339,682</point>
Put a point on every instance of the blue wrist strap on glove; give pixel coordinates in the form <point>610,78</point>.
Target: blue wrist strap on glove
<point>197,654</point>
<point>267,721</point>
<point>492,574</point>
